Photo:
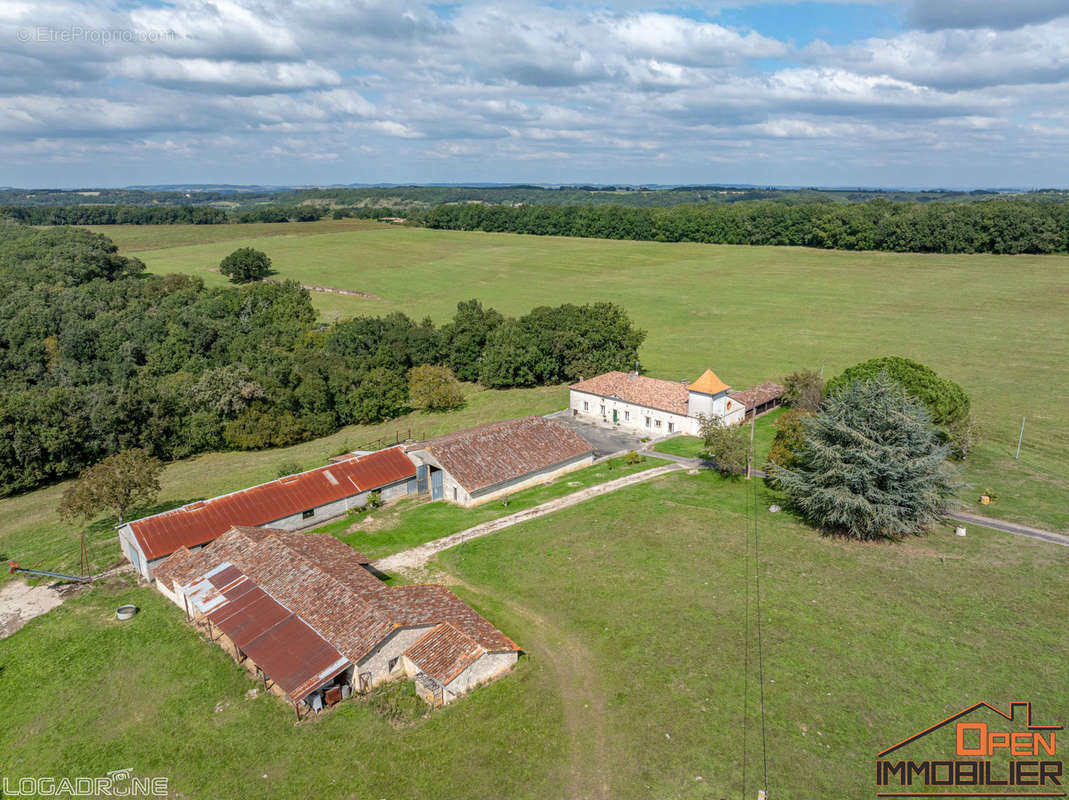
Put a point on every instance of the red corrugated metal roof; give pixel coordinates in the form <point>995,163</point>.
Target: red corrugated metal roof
<point>287,649</point>
<point>202,522</point>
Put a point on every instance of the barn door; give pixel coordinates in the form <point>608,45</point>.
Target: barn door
<point>437,490</point>
<point>421,479</point>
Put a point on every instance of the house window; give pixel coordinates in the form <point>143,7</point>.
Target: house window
<point>392,665</point>
<point>627,416</point>
<point>648,422</point>
<point>454,494</point>
<point>586,406</point>
<point>657,424</point>
<point>671,427</point>
<point>603,411</point>
<point>308,514</point>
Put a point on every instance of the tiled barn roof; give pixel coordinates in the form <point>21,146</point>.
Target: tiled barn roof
<point>489,454</point>
<point>638,389</point>
<point>201,522</point>
<point>324,582</point>
<point>444,652</point>
<point>757,395</point>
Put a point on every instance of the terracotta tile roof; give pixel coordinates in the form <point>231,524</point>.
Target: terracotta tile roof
<point>201,522</point>
<point>708,383</point>
<point>432,603</point>
<point>631,388</point>
<point>490,454</point>
<point>757,395</point>
<point>324,582</point>
<point>444,652</point>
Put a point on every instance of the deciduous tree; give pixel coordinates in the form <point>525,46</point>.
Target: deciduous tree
<point>432,388</point>
<point>246,264</point>
<point>118,483</point>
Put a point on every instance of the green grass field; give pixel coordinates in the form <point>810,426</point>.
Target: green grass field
<point>413,521</point>
<point>995,324</point>
<point>631,610</point>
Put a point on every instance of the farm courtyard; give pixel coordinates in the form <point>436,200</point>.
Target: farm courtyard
<point>630,608</point>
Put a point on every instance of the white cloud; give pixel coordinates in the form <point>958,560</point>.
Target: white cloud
<point>336,90</point>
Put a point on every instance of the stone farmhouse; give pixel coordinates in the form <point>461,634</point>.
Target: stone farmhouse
<point>655,407</point>
<point>489,461</point>
<point>305,616</point>
<point>294,502</point>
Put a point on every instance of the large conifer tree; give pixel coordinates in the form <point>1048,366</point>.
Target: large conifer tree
<point>872,465</point>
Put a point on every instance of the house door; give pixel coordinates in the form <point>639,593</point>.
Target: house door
<point>421,479</point>
<point>615,416</point>
<point>437,491</point>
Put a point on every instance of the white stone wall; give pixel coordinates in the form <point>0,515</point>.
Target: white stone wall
<point>631,416</point>
<point>377,662</point>
<point>488,667</point>
<point>523,482</point>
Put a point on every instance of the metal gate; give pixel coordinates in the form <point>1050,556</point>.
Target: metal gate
<point>437,490</point>
<point>421,479</point>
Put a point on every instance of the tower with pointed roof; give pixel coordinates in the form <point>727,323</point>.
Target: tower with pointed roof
<point>708,396</point>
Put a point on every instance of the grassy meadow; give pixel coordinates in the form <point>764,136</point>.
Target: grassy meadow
<point>412,521</point>
<point>631,610</point>
<point>995,324</point>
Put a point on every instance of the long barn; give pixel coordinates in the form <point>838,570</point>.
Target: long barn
<point>291,503</point>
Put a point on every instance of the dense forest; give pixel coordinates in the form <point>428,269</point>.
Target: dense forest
<point>987,226</point>
<point>98,356</point>
<point>948,223</point>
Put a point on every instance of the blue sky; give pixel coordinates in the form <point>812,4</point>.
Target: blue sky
<point>961,93</point>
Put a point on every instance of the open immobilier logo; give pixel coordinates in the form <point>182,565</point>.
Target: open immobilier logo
<point>995,755</point>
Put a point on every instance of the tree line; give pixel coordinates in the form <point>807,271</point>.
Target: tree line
<point>1003,225</point>
<point>97,356</point>
<point>1006,226</point>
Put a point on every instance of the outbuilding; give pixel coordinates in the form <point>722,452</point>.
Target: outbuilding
<point>489,461</point>
<point>305,614</point>
<point>293,502</point>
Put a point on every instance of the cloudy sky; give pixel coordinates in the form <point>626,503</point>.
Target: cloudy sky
<point>884,93</point>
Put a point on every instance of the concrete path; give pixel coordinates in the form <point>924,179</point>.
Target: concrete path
<point>420,555</point>
<point>1008,527</point>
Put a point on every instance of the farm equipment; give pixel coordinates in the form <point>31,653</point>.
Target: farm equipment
<point>13,567</point>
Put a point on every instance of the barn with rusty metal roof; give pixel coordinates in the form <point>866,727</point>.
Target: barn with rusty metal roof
<point>291,502</point>
<point>305,614</point>
<point>488,461</point>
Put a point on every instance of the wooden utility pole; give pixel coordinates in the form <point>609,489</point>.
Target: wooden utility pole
<point>749,458</point>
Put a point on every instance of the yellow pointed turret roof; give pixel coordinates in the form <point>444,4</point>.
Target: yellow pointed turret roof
<point>708,383</point>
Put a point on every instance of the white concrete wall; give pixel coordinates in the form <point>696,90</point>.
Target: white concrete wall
<point>631,416</point>
<point>523,482</point>
<point>377,662</point>
<point>488,667</point>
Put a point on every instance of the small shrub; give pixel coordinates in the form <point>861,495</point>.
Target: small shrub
<point>397,702</point>
<point>288,468</point>
<point>962,436</point>
<point>634,458</point>
<point>375,499</point>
